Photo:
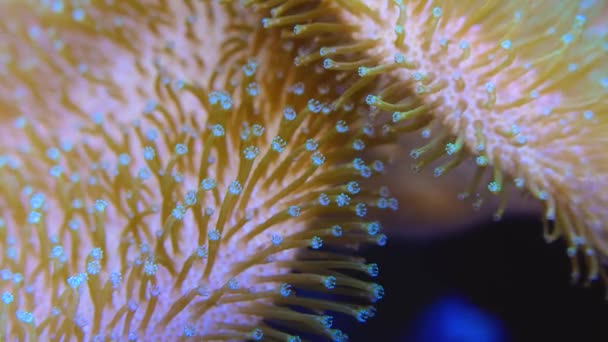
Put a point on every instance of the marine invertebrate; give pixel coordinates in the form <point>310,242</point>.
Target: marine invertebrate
<point>49,52</point>
<point>197,210</point>
<point>520,87</point>
<point>53,53</point>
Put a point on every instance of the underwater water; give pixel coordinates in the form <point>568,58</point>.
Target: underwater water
<point>498,282</point>
<point>454,319</point>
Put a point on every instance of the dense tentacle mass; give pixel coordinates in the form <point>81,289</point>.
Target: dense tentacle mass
<point>518,86</point>
<point>201,208</point>
<point>54,53</point>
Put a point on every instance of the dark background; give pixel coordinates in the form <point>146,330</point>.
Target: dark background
<point>498,282</point>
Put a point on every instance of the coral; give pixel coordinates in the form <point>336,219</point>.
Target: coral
<point>53,53</point>
<point>170,172</point>
<point>187,196</point>
<point>49,52</point>
<point>519,87</point>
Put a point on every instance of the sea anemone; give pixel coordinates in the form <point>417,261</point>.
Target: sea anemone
<point>209,206</point>
<point>519,87</point>
<point>49,53</point>
<point>55,53</point>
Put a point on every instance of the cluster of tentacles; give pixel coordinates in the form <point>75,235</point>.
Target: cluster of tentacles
<point>510,88</point>
<point>208,169</point>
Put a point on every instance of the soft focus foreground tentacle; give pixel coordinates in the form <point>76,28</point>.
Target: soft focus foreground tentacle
<point>198,207</point>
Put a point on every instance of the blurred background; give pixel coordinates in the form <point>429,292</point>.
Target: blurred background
<point>496,282</point>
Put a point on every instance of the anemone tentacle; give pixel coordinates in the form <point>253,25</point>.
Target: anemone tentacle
<point>518,87</point>
<point>204,208</point>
